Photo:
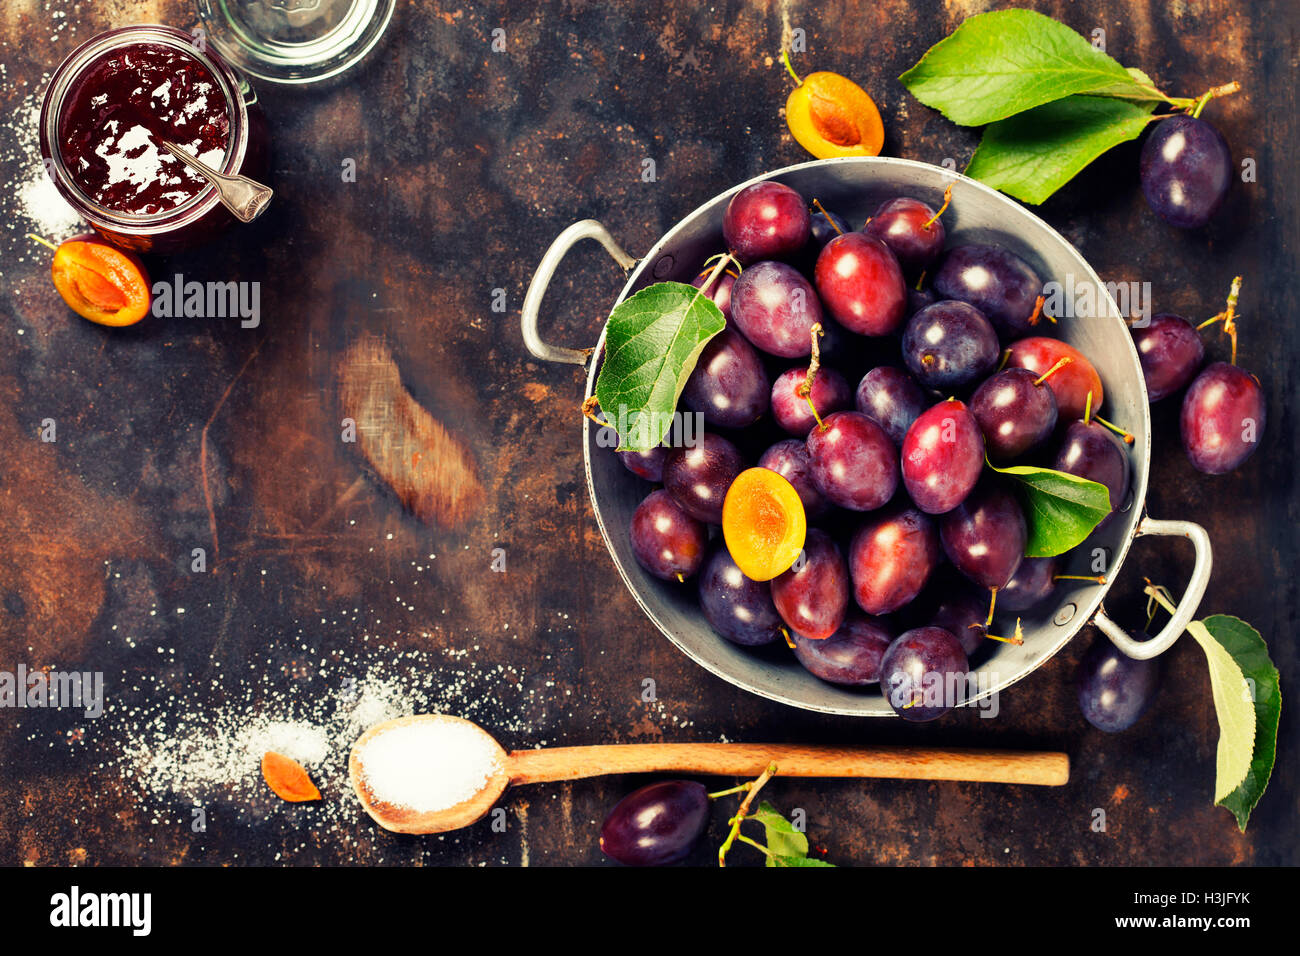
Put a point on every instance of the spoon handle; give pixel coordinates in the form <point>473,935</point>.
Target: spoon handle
<point>749,760</point>
<point>244,197</point>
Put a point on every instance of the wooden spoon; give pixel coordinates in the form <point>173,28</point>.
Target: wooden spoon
<point>723,760</point>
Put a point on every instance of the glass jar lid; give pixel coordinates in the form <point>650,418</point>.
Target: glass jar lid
<point>295,41</point>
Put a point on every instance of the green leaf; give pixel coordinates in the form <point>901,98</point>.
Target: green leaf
<point>652,342</point>
<point>1061,510</point>
<point>796,861</point>
<point>1032,155</point>
<point>1139,87</point>
<point>998,64</point>
<point>1248,702</point>
<point>780,835</point>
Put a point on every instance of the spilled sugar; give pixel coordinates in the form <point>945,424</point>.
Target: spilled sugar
<point>429,765</point>
<point>34,203</point>
<point>178,755</point>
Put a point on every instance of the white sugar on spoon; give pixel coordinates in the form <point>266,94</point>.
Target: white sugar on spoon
<point>418,766</point>
<point>434,772</point>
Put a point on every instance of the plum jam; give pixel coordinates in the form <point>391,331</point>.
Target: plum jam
<point>107,112</point>
<point>121,107</point>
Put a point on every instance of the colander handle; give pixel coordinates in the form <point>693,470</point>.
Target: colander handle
<point>1191,599</point>
<point>587,229</point>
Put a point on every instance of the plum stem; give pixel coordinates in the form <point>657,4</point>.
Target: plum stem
<point>1160,595</point>
<point>1095,579</point>
<point>1157,595</point>
<point>589,406</point>
<point>1037,315</point>
<point>1017,637</point>
<point>741,788</point>
<point>723,260</point>
<point>947,198</point>
<point>43,241</point>
<point>1127,436</point>
<point>804,391</point>
<point>1225,89</point>
<point>1228,316</point>
<point>829,217</point>
<point>708,264</point>
<point>785,58</point>
<point>1087,408</point>
<point>752,788</point>
<point>1060,364</point>
<point>755,844</point>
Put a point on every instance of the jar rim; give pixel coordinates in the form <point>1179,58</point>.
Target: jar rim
<point>74,66</point>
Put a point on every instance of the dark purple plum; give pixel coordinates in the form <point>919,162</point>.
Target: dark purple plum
<point>1091,450</point>
<point>996,281</point>
<point>849,657</point>
<point>1171,351</point>
<point>1013,412</point>
<point>646,464</point>
<point>923,673</point>
<point>892,399</point>
<point>963,612</point>
<point>1114,689</point>
<point>666,541</point>
<point>826,226</point>
<point>739,608</point>
<point>1033,581</point>
<point>1186,169</point>
<point>658,825</point>
<point>830,393</point>
<point>767,220</point>
<point>943,455</point>
<point>789,459</point>
<point>949,345</point>
<point>984,536</point>
<point>905,226</point>
<point>891,558</point>
<point>775,308</point>
<point>1222,419</point>
<point>698,477</point>
<point>918,299</point>
<point>854,463</point>
<point>729,385</point>
<point>813,596</point>
<point>719,292</point>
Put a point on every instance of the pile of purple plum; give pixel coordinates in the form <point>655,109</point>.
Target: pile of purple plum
<point>932,360</point>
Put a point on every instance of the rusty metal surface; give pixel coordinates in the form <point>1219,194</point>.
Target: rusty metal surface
<point>189,433</point>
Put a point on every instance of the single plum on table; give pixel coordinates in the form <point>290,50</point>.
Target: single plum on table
<point>1222,419</point>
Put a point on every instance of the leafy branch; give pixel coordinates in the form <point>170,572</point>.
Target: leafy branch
<point>1050,100</point>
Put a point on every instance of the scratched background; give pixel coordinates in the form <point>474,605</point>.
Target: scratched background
<point>197,433</point>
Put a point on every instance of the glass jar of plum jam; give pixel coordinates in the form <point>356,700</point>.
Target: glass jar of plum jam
<point>107,109</point>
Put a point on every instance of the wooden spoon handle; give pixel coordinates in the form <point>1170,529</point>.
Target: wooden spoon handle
<point>749,760</point>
